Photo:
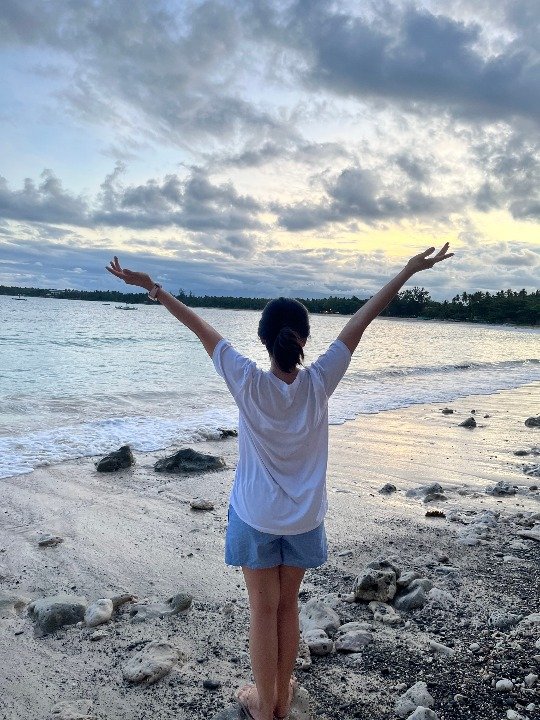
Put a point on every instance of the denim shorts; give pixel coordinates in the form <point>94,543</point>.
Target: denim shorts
<point>257,550</point>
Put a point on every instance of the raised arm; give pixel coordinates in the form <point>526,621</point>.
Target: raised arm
<point>208,335</point>
<point>354,329</point>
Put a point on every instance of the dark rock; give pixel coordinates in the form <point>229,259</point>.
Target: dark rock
<point>54,612</point>
<point>50,540</point>
<point>468,423</point>
<point>533,421</point>
<point>189,461</point>
<point>447,411</point>
<point>388,489</point>
<point>521,453</point>
<point>180,602</point>
<point>435,513</point>
<point>211,684</point>
<point>414,599</point>
<point>117,460</point>
<point>226,433</point>
<point>501,489</point>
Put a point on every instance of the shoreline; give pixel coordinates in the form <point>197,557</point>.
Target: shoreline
<point>134,532</point>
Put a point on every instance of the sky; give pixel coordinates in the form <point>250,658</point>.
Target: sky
<point>270,147</point>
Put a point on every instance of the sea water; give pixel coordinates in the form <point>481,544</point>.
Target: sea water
<point>82,378</point>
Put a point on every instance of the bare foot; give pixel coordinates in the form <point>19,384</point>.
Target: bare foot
<point>248,698</point>
<point>281,711</point>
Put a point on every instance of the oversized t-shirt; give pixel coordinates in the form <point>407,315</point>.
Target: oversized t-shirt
<point>280,480</point>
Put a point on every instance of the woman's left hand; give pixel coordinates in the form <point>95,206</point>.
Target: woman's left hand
<point>130,276</point>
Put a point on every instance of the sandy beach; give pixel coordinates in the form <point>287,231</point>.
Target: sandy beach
<point>133,532</point>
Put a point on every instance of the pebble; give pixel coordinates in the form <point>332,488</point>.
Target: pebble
<point>211,684</point>
<point>353,637</point>
<point>388,489</point>
<point>530,680</point>
<point>440,648</point>
<point>98,612</point>
<point>318,642</point>
<point>201,504</point>
<point>317,614</point>
<point>98,635</point>
<point>474,647</point>
<point>416,696</point>
<point>50,540</point>
<point>504,685</point>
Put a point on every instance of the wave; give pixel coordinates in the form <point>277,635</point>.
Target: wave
<point>407,371</point>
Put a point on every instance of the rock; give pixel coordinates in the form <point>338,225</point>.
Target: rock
<point>201,504</point>
<point>530,680</point>
<point>406,578</point>
<point>233,712</point>
<point>433,490</point>
<point>99,612</point>
<point>414,599</point>
<point>423,713</point>
<point>73,710</point>
<point>151,663</point>
<point>384,613</point>
<point>180,602</point>
<point>388,489</point>
<point>530,534</point>
<point>189,461</point>
<point>50,540</point>
<point>119,600</point>
<point>504,685</point>
<point>98,635</point>
<point>503,621</point>
<point>435,513</point>
<point>353,637</point>
<point>424,583</point>
<point>375,584</point>
<point>533,421</point>
<point>470,422</point>
<point>532,471</point>
<point>316,614</point>
<point>117,460</point>
<point>227,433</point>
<point>416,696</point>
<point>521,453</point>
<point>501,489</point>
<point>447,411</point>
<point>318,642</point>
<point>52,613</point>
<point>441,649</point>
<point>211,684</point>
<point>442,599</point>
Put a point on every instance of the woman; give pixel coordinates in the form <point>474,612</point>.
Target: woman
<point>278,500</point>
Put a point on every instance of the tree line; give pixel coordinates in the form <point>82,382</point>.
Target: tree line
<point>504,306</point>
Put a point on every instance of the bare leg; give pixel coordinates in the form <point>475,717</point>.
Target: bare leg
<point>288,635</point>
<point>264,595</point>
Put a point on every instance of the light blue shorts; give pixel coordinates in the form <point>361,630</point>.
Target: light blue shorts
<point>257,550</point>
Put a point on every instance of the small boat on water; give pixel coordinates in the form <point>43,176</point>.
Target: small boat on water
<point>125,307</point>
<point>19,298</point>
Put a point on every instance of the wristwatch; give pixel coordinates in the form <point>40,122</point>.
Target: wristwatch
<point>154,291</point>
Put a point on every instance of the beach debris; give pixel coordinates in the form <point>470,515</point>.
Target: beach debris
<point>388,489</point>
<point>98,635</point>
<point>99,612</point>
<point>50,540</point>
<point>441,649</point>
<point>11,604</point>
<point>376,582</point>
<point>189,461</point>
<point>384,613</point>
<point>470,422</point>
<point>533,421</point>
<point>318,642</point>
<point>317,614</point>
<point>428,493</point>
<point>435,513</point>
<point>52,613</point>
<point>413,698</point>
<point>447,411</point>
<point>153,662</point>
<point>227,433</point>
<point>201,504</point>
<point>73,710</point>
<point>501,489</point>
<point>353,637</point>
<point>117,460</point>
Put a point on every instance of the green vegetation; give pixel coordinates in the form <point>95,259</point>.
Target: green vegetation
<point>505,306</point>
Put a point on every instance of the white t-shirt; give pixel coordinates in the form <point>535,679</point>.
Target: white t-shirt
<point>280,480</point>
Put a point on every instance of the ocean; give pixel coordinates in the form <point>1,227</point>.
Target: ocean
<point>82,378</point>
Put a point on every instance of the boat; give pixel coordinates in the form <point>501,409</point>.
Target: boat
<point>125,307</point>
<point>19,298</point>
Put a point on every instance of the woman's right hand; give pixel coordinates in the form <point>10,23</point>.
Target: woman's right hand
<point>130,276</point>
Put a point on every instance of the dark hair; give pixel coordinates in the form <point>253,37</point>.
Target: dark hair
<point>284,323</point>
